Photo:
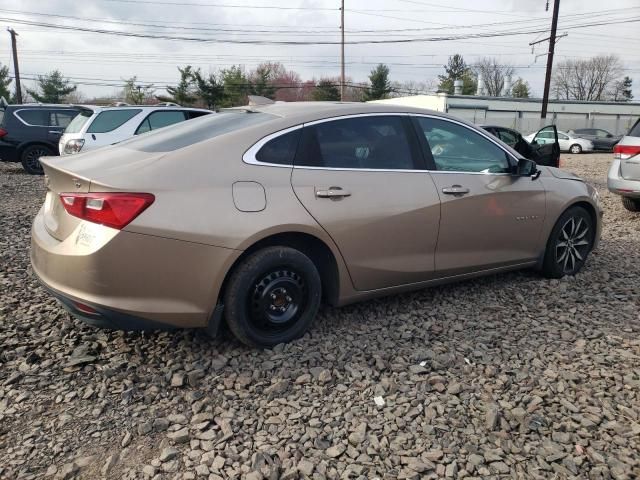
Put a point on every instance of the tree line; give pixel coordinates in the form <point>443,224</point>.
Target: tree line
<point>598,78</point>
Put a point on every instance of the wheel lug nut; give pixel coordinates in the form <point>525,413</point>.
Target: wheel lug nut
<point>288,299</point>
<point>273,307</point>
<point>273,296</point>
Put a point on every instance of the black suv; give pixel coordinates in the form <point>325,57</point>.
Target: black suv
<point>31,131</point>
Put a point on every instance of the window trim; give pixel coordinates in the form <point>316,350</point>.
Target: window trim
<point>249,157</point>
<point>15,114</point>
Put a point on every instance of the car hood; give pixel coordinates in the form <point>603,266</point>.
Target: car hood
<point>563,174</point>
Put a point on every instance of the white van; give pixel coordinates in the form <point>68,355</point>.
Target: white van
<point>97,127</point>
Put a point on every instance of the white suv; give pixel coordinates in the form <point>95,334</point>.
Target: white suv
<point>97,127</point>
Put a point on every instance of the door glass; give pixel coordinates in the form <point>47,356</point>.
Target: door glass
<point>109,120</point>
<point>562,136</point>
<point>33,117</point>
<point>61,118</point>
<point>369,142</point>
<point>164,119</point>
<point>456,148</point>
<point>508,137</point>
<point>601,134</point>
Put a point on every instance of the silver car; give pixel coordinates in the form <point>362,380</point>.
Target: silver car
<point>624,174</point>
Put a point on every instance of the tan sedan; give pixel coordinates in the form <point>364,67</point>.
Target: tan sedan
<point>255,215</point>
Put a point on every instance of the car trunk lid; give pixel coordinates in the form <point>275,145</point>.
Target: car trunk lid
<point>58,223</point>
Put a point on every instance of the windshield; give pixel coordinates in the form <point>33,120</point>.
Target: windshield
<point>78,121</point>
<point>183,134</point>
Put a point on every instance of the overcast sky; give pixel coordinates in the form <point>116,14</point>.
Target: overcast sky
<point>99,62</point>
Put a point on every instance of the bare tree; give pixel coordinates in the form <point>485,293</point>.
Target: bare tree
<point>493,75</point>
<point>411,87</point>
<point>591,79</point>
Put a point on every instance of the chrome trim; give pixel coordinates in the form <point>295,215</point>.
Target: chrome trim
<point>249,157</point>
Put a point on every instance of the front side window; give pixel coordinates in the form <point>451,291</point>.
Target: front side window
<point>367,142</point>
<point>160,119</point>
<point>280,150</point>
<point>508,137</point>
<point>456,148</point>
<point>109,120</point>
<point>601,133</point>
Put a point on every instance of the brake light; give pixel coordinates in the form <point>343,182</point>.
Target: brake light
<point>622,152</point>
<point>115,210</point>
<point>3,132</point>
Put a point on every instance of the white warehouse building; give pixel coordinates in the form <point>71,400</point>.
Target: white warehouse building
<point>523,114</point>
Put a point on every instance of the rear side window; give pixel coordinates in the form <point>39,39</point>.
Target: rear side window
<point>79,121</point>
<point>191,115</point>
<point>280,150</point>
<point>34,117</point>
<point>160,119</point>
<point>109,120</point>
<point>369,142</point>
<point>508,137</point>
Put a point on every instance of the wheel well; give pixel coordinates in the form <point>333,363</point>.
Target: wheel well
<point>590,210</point>
<point>22,148</point>
<point>314,248</point>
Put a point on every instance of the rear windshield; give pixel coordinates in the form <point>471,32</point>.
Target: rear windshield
<point>109,120</point>
<point>635,130</point>
<point>200,129</point>
<point>78,121</point>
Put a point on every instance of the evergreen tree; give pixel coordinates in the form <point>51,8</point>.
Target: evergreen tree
<point>326,90</point>
<point>137,94</point>
<point>380,84</point>
<point>5,81</point>
<point>210,89</point>
<point>52,88</point>
<point>457,69</point>
<point>520,89</point>
<point>184,93</point>
<point>236,86</point>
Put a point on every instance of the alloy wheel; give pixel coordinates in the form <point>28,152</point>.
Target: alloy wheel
<point>573,244</point>
<point>32,158</point>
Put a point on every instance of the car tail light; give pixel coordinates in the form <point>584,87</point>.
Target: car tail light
<point>3,132</point>
<point>115,210</point>
<point>622,152</point>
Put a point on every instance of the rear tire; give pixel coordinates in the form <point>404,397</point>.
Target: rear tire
<point>30,158</point>
<point>631,204</point>
<point>272,297</point>
<point>569,244</point>
<point>575,149</point>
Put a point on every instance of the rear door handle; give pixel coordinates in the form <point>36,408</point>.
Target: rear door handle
<point>55,132</point>
<point>333,192</point>
<point>455,190</point>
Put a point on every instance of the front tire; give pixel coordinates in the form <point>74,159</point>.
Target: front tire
<point>575,148</point>
<point>569,244</point>
<point>272,297</point>
<point>30,158</point>
<point>631,204</point>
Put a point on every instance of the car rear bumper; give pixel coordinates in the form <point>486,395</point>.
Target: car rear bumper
<point>132,281</point>
<point>8,152</point>
<point>619,185</point>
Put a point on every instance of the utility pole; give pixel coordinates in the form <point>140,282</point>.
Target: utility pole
<point>342,53</point>
<point>552,46</point>
<point>15,64</point>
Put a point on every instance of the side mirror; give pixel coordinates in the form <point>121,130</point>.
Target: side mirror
<point>609,135</point>
<point>527,168</point>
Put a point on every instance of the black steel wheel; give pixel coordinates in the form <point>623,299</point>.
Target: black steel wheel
<point>272,297</point>
<point>570,243</point>
<point>30,158</point>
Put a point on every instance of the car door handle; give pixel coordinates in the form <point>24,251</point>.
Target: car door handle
<point>333,192</point>
<point>55,132</point>
<point>455,190</point>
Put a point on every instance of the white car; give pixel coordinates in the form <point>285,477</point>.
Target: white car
<point>97,127</point>
<point>567,142</point>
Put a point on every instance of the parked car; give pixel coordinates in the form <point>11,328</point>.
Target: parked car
<point>624,174</point>
<point>32,130</point>
<point>601,139</point>
<point>100,126</point>
<point>568,143</point>
<point>543,154</point>
<point>257,214</point>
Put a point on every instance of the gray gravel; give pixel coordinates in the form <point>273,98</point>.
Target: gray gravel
<point>508,376</point>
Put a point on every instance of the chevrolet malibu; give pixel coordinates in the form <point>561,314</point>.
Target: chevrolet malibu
<point>256,215</point>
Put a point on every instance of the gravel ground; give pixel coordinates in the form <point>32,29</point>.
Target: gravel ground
<point>508,376</point>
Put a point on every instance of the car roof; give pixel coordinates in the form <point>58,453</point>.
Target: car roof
<point>498,126</point>
<point>310,111</point>
<point>44,105</point>
<point>147,108</point>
